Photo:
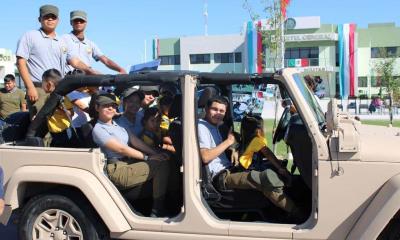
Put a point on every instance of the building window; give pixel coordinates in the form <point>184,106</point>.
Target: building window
<point>314,52</point>
<point>223,57</point>
<point>238,57</point>
<point>362,82</point>
<point>314,62</point>
<point>302,57</point>
<point>304,52</point>
<point>228,57</point>
<point>385,52</point>
<point>392,52</point>
<point>376,81</point>
<point>170,60</point>
<point>199,58</point>
<point>337,55</point>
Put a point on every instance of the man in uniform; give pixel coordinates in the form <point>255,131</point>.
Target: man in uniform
<point>40,50</point>
<point>212,152</point>
<point>85,48</point>
<point>12,99</point>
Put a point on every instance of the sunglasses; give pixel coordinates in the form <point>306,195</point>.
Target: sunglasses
<point>153,93</point>
<point>78,20</point>
<point>107,105</point>
<point>49,16</point>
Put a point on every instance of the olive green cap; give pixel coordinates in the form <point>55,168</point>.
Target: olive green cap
<point>78,14</point>
<point>48,9</point>
<point>105,98</point>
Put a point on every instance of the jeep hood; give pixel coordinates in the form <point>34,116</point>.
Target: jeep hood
<point>379,143</point>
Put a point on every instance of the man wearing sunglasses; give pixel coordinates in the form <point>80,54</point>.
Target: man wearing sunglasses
<point>40,50</point>
<point>85,48</point>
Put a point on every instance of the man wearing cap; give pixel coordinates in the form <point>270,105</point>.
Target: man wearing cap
<point>85,48</point>
<point>12,99</point>
<point>40,50</point>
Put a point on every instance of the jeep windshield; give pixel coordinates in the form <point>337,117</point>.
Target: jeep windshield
<point>310,99</point>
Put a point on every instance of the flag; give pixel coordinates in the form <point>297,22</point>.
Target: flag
<point>347,60</point>
<point>284,5</point>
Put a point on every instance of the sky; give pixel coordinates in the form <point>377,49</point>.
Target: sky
<point>121,27</point>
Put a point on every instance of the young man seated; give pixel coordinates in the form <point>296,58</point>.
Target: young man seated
<point>212,151</point>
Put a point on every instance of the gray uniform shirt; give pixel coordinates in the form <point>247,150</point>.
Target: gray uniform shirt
<point>42,53</point>
<point>103,132</point>
<point>209,138</point>
<point>86,50</point>
<point>135,128</point>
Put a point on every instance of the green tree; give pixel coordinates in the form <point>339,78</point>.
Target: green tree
<point>272,35</point>
<point>390,83</point>
<point>272,38</point>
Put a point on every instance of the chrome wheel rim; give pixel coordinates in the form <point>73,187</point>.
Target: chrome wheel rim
<point>56,224</point>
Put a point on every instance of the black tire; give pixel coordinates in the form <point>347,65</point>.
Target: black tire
<point>68,212</point>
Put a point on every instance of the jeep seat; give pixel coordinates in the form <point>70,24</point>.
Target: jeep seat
<point>233,200</point>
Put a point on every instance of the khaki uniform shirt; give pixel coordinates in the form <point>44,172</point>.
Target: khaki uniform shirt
<point>10,102</point>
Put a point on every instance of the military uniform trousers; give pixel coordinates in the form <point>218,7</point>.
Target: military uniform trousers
<point>132,173</point>
<point>266,182</point>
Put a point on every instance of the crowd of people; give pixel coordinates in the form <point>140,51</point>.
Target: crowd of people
<point>44,58</point>
<point>135,140</point>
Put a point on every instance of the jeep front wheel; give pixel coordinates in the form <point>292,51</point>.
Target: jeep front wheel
<point>55,217</point>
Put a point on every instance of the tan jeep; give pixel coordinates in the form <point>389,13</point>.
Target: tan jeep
<point>347,176</point>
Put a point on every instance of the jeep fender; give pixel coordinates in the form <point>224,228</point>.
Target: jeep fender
<point>88,184</point>
<point>379,212</point>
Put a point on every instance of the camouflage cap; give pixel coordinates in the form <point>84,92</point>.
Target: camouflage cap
<point>48,9</point>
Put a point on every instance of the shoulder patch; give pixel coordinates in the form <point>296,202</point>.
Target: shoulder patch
<point>64,49</point>
<point>89,50</point>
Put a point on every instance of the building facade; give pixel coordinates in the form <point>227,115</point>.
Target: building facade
<point>341,55</point>
<point>7,63</point>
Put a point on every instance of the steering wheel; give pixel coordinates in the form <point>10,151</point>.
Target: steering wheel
<point>282,126</point>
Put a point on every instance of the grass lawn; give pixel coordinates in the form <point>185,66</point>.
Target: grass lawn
<point>281,149</point>
<point>396,122</point>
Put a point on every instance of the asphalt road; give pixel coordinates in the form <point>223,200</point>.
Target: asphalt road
<point>8,232</point>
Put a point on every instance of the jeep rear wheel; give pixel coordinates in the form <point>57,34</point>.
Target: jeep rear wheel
<point>56,224</point>
<point>55,217</point>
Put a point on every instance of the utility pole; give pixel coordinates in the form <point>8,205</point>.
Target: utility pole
<point>205,14</point>
<point>145,50</point>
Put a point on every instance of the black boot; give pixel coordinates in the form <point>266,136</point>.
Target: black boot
<point>158,209</point>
